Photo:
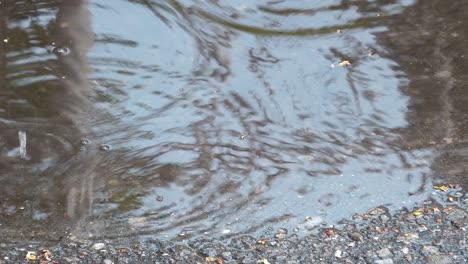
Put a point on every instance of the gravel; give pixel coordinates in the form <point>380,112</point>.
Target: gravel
<point>368,238</point>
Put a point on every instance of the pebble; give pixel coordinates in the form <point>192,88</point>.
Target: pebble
<point>429,250</point>
<point>98,246</point>
<point>226,255</point>
<point>384,252</point>
<point>384,218</point>
<point>282,233</point>
<point>70,260</point>
<point>108,261</point>
<point>439,259</point>
<point>384,261</point>
<point>458,217</point>
<point>405,250</point>
<point>338,253</point>
<point>356,236</point>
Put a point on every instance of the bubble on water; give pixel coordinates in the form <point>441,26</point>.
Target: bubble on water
<point>85,142</point>
<point>82,149</point>
<point>159,198</point>
<point>22,144</point>
<point>104,147</point>
<point>61,51</point>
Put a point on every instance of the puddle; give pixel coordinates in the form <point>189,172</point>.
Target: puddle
<point>206,118</point>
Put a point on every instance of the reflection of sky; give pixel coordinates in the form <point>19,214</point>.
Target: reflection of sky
<point>271,97</point>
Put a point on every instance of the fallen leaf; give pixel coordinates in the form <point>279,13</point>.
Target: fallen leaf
<point>416,213</point>
<point>46,254</point>
<point>443,188</point>
<point>31,256</point>
<point>344,63</point>
<point>217,260</point>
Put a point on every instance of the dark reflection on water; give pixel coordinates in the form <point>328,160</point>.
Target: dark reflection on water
<point>169,118</point>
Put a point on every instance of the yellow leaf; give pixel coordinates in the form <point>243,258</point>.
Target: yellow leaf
<point>344,63</point>
<point>443,188</point>
<point>31,256</point>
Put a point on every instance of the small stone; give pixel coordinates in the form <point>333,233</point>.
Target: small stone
<point>282,233</point>
<point>384,218</point>
<point>384,261</point>
<point>438,241</point>
<point>458,217</point>
<point>429,250</point>
<point>338,253</point>
<point>356,236</point>
<point>439,259</point>
<point>384,252</point>
<point>422,228</point>
<point>108,261</point>
<point>98,246</point>
<point>70,260</point>
<point>405,250</point>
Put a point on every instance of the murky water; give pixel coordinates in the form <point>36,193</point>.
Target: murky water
<point>134,118</point>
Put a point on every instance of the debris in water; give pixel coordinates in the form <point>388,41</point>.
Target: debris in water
<point>243,136</point>
<point>344,63</point>
<point>417,213</point>
<point>46,254</point>
<point>217,260</point>
<point>6,40</point>
<point>85,142</point>
<point>372,52</point>
<point>104,147</point>
<point>182,234</point>
<point>22,143</point>
<point>159,198</point>
<point>31,256</point>
<point>61,51</point>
